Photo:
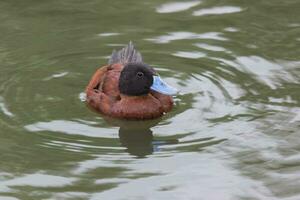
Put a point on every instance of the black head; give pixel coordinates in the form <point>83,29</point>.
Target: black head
<point>136,79</point>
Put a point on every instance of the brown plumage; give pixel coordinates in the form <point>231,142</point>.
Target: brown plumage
<point>103,94</point>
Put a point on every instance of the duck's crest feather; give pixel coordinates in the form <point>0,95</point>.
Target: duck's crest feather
<point>126,55</point>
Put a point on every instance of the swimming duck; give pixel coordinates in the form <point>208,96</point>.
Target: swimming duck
<point>128,88</point>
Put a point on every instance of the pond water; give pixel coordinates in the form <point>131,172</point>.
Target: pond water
<point>234,130</point>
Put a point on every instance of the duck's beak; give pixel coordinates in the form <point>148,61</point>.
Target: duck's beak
<point>162,87</point>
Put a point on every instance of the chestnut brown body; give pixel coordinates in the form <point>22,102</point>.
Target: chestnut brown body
<point>103,94</point>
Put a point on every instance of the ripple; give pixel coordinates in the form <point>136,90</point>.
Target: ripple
<point>112,180</point>
<point>296,118</point>
<point>262,68</point>
<point>217,10</point>
<point>36,180</point>
<point>70,195</point>
<point>187,35</point>
<point>187,54</point>
<point>8,198</point>
<point>173,174</point>
<point>72,128</point>
<point>79,147</point>
<point>210,47</point>
<point>58,75</point>
<point>82,96</point>
<point>234,127</point>
<point>231,29</point>
<point>294,25</point>
<point>4,108</point>
<point>176,6</point>
<point>108,34</point>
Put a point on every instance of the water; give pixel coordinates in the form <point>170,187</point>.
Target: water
<point>234,131</point>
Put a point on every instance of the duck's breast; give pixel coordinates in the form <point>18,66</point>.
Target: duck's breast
<point>145,107</point>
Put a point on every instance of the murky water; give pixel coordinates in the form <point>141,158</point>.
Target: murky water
<point>234,131</point>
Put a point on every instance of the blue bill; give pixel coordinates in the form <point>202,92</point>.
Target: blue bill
<point>162,87</point>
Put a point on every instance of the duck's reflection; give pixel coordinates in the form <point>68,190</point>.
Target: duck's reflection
<point>138,141</point>
<point>138,138</point>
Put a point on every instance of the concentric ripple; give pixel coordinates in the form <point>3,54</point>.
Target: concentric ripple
<point>233,132</point>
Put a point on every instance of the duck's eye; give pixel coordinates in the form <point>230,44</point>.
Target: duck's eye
<point>140,74</point>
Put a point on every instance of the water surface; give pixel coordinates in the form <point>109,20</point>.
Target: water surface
<point>234,130</point>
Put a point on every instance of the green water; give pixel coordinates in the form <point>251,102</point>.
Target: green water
<point>234,130</point>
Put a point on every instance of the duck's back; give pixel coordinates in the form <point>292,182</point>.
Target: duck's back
<point>110,82</point>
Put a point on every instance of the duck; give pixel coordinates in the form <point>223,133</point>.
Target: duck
<point>128,88</point>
